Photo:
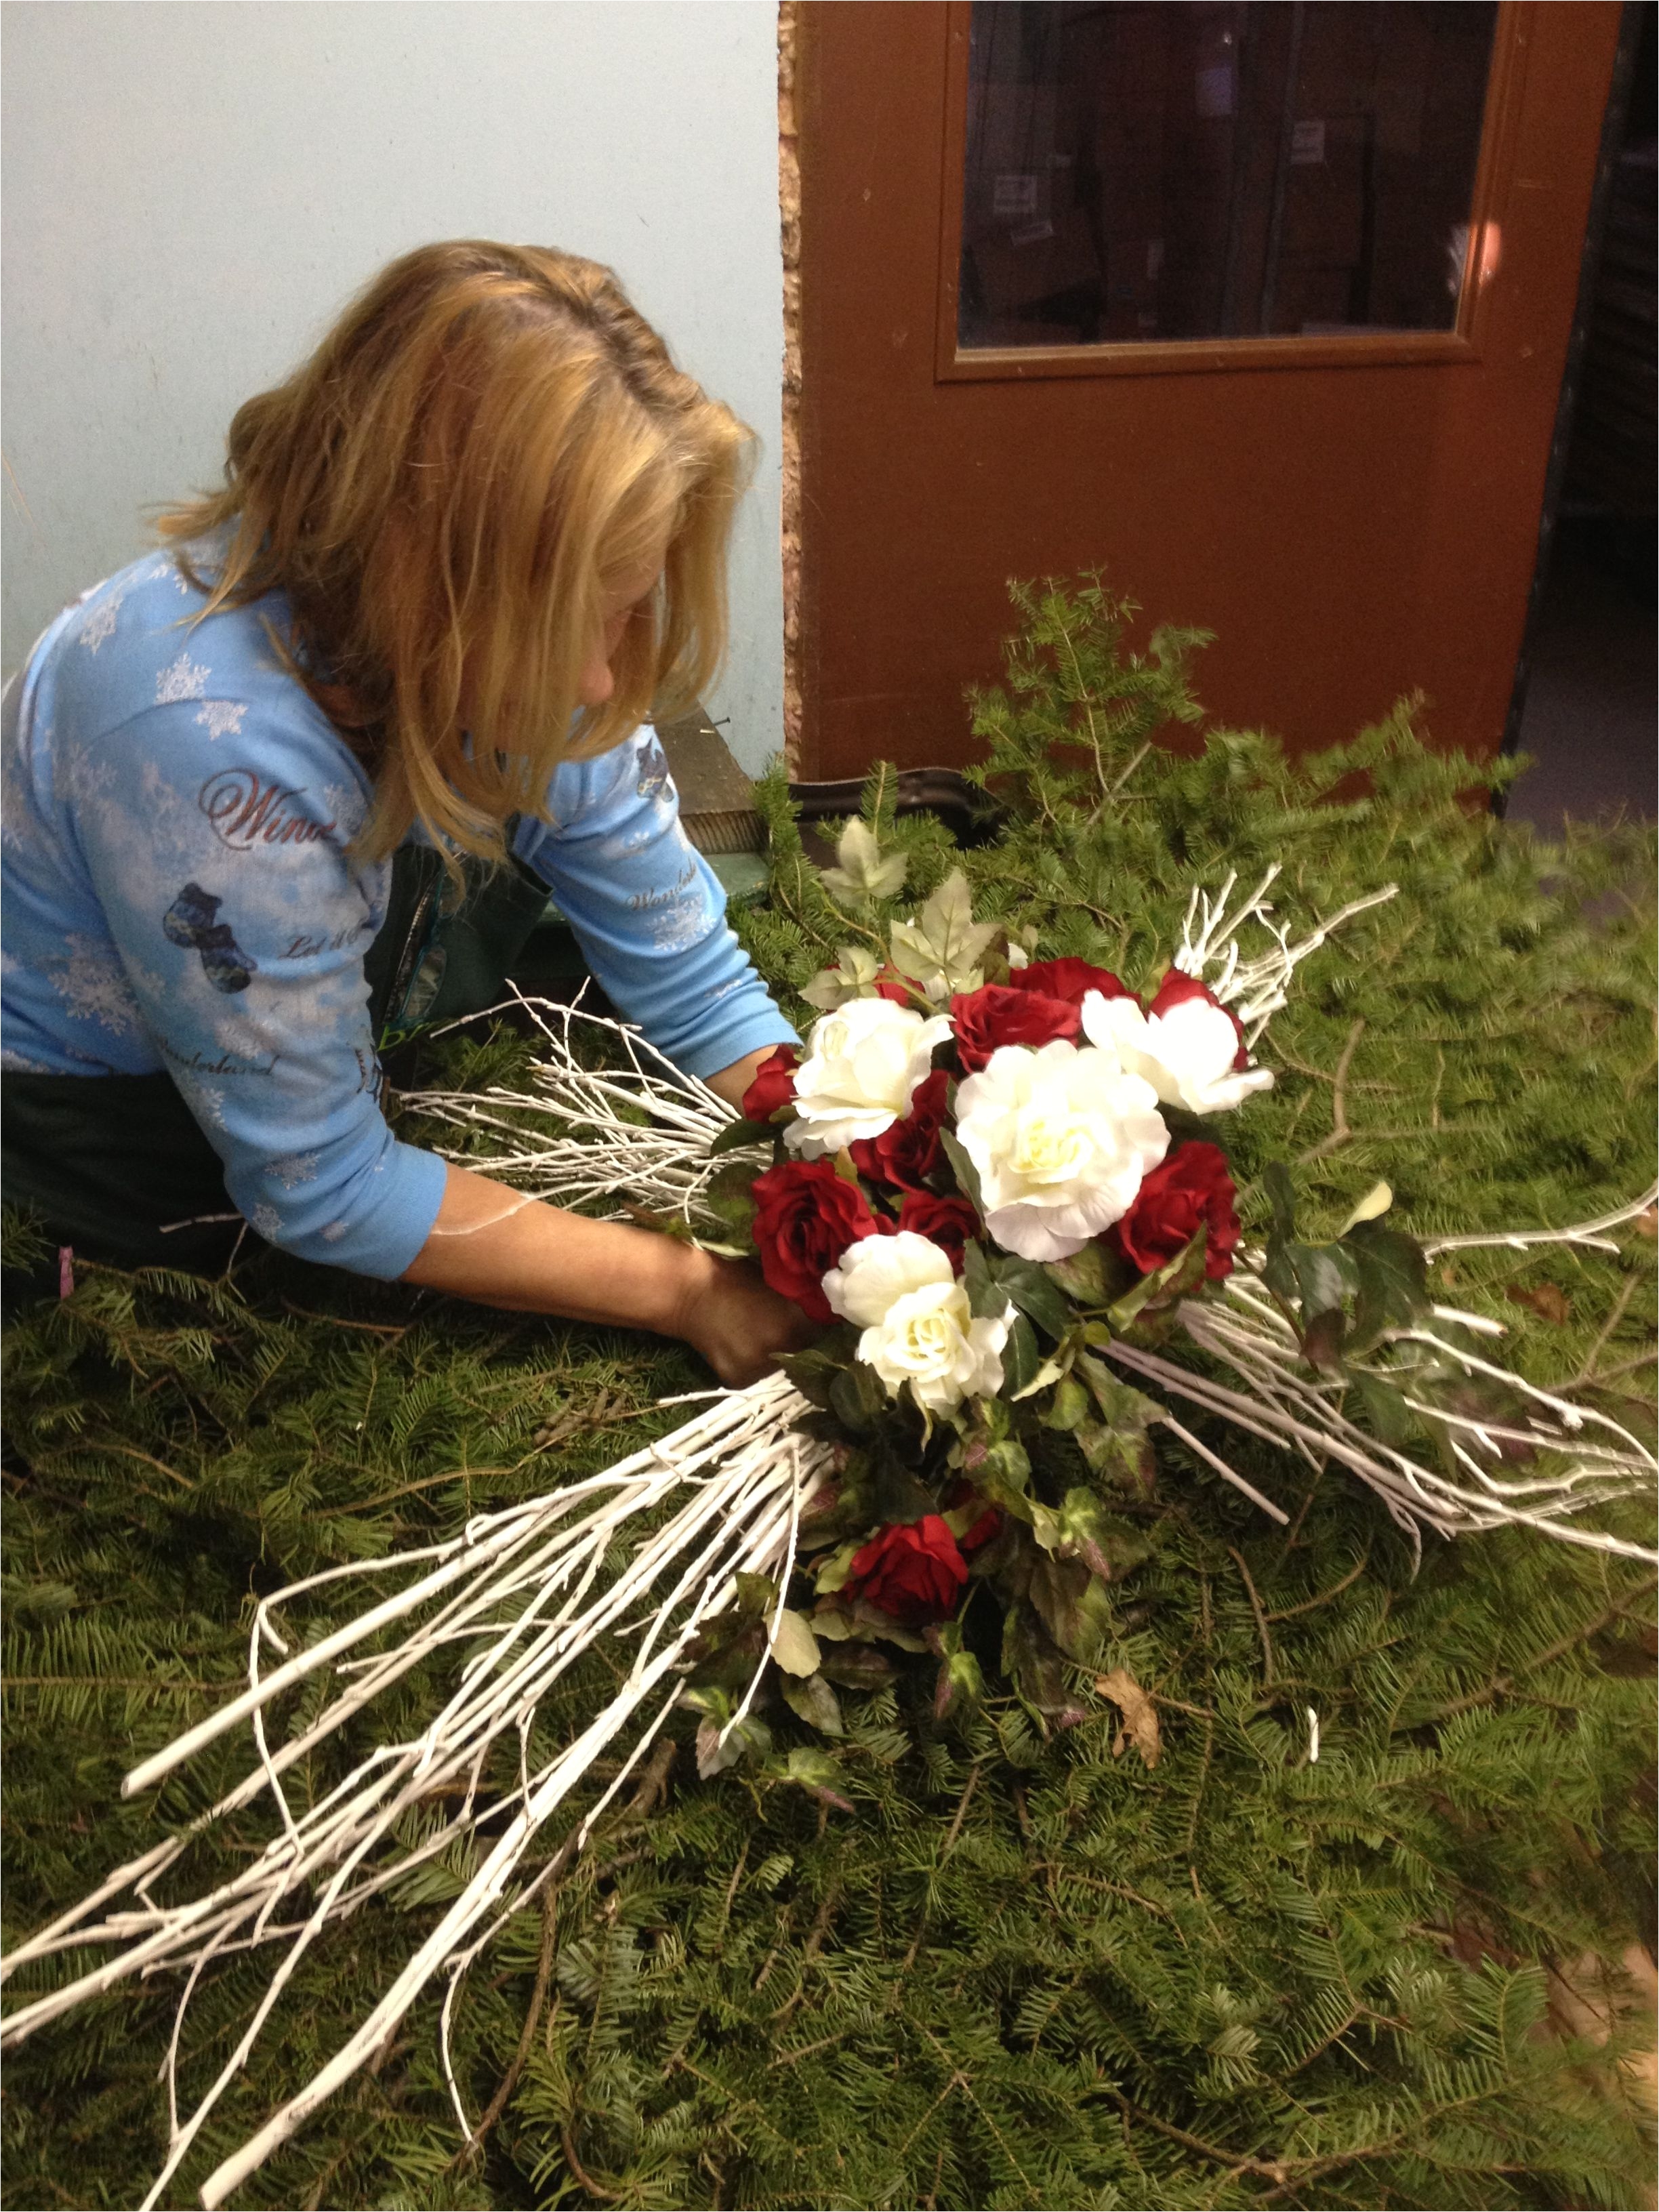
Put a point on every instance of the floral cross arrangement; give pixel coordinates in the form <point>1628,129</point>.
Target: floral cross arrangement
<point>1001,1188</point>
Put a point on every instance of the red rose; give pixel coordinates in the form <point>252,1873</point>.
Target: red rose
<point>997,1015</point>
<point>1175,989</point>
<point>1071,980</point>
<point>805,1217</point>
<point>948,1222</point>
<point>1192,1187</point>
<point>912,1573</point>
<point>907,1152</point>
<point>773,1086</point>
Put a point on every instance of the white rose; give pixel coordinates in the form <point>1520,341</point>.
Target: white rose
<point>1186,1055</point>
<point>1062,1138</point>
<point>917,1325</point>
<point>862,1063</point>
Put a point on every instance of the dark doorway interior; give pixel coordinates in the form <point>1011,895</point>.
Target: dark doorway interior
<point>1588,716</point>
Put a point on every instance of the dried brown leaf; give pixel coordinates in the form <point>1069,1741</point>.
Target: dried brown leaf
<point>1139,1714</point>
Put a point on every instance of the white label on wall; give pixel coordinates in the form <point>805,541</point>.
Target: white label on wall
<point>1014,196</point>
<point>1308,142</point>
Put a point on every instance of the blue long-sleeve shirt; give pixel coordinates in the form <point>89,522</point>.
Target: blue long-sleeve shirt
<point>177,893</point>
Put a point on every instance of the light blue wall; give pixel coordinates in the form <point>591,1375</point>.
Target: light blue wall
<point>193,188</point>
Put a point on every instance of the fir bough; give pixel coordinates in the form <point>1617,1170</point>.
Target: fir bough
<point>1021,1973</point>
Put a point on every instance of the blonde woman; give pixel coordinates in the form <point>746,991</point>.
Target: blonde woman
<point>389,682</point>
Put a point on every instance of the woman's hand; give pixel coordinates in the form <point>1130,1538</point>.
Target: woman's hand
<point>739,1323</point>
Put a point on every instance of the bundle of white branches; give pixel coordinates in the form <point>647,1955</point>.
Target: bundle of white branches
<point>509,1605</point>
<point>639,1131</point>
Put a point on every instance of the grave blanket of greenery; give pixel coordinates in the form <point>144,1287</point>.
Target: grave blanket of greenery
<point>1166,1958</point>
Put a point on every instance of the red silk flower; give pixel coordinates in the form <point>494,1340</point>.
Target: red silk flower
<point>947,1222</point>
<point>907,1152</point>
<point>910,1572</point>
<point>1191,1187</point>
<point>774,1084</point>
<point>1071,980</point>
<point>1175,990</point>
<point>998,1014</point>
<point>805,1217</point>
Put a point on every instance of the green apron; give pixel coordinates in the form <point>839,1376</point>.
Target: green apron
<point>107,1163</point>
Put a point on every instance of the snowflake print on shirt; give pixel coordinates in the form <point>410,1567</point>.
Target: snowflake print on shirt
<point>183,679</point>
<point>100,623</point>
<point>219,717</point>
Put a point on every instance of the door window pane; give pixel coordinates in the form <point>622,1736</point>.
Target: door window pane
<point>1165,169</point>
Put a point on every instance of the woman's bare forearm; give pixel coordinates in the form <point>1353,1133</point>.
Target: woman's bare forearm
<point>492,1245</point>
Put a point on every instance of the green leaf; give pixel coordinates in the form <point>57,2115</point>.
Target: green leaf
<point>1107,1545</point>
<point>960,1682</point>
<point>1068,1405</point>
<point>1027,1285</point>
<point>857,1666</point>
<point>1021,1359</point>
<point>962,1167</point>
<point>1393,1279</point>
<point>1390,1416</point>
<point>738,1135</point>
<point>1073,1606</point>
<point>794,1647</point>
<point>1281,1196</point>
<point>984,1302</point>
<point>756,1595</point>
<point>819,1775</point>
<point>1172,1281</point>
<point>814,1372</point>
<point>1084,1279</point>
<point>814,1702</point>
<point>858,1397</point>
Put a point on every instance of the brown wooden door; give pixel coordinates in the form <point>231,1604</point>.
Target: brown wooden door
<point>1352,508</point>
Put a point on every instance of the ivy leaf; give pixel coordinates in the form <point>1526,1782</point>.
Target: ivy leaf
<point>819,1775</point>
<point>960,1682</point>
<point>857,1666</point>
<point>1386,1409</point>
<point>741,1136</point>
<point>1315,1277</point>
<point>814,1702</point>
<point>1071,1605</point>
<point>858,1397</point>
<point>729,1194</point>
<point>756,1595</point>
<point>863,873</point>
<point>1068,1405</point>
<point>941,948</point>
<point>1037,1667</point>
<point>1086,1279</point>
<point>1392,1278</point>
<point>794,1647</point>
<point>813,1372</point>
<point>749,1739</point>
<point>1107,1545</point>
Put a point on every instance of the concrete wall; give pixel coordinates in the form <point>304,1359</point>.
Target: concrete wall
<point>193,188</point>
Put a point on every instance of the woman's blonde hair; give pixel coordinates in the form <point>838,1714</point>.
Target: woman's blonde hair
<point>488,441</point>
